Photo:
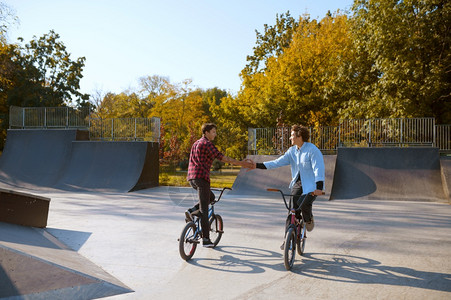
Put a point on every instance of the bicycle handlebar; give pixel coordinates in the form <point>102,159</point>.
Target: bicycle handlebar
<point>220,190</point>
<point>283,195</point>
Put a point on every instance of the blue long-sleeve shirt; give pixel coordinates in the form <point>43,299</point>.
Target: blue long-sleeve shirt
<point>307,162</point>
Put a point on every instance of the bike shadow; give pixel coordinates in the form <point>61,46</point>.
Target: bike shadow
<point>237,259</point>
<point>324,266</point>
<point>355,269</point>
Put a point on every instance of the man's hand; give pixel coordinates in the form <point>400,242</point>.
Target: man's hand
<point>318,193</point>
<point>249,164</point>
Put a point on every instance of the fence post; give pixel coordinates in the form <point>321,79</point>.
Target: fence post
<point>112,129</point>
<point>433,132</point>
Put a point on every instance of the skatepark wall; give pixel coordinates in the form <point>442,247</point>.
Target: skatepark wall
<point>65,159</point>
<point>36,158</point>
<point>412,174</point>
<point>445,164</point>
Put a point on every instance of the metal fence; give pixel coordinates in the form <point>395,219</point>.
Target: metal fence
<point>137,129</point>
<point>48,117</point>
<point>357,133</point>
<point>387,132</point>
<point>126,129</point>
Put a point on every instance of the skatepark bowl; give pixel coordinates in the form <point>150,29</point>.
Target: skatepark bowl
<point>383,229</point>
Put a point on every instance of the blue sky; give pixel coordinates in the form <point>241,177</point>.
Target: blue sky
<point>206,41</point>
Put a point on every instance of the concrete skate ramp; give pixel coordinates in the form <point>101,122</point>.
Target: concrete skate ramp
<point>445,164</point>
<point>36,158</point>
<point>255,182</point>
<point>111,166</point>
<point>388,174</point>
<point>65,159</point>
<point>35,265</point>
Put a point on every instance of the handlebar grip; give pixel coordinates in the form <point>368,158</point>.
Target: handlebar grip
<point>322,193</point>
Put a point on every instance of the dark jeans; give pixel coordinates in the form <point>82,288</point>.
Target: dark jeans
<point>305,202</point>
<point>206,196</point>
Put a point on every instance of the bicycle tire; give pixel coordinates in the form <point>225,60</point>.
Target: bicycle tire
<point>189,238</point>
<point>289,252</point>
<point>301,240</point>
<point>216,229</point>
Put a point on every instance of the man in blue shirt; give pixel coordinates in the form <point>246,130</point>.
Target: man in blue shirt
<point>307,171</point>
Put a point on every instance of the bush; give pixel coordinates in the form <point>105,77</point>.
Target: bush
<point>217,165</point>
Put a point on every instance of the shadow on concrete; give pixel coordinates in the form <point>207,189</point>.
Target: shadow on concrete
<point>255,260</point>
<point>71,238</point>
<point>361,270</point>
<point>324,266</point>
<point>7,287</point>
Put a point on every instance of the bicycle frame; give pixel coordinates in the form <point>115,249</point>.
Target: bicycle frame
<point>192,232</point>
<point>296,227</point>
<point>211,211</point>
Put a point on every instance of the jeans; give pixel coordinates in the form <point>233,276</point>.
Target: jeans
<point>206,196</point>
<point>305,202</point>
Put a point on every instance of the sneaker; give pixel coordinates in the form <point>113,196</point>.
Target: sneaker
<point>207,243</point>
<point>188,216</point>
<point>310,225</point>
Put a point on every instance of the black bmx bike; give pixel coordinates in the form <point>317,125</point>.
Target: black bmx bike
<point>191,234</point>
<point>295,232</point>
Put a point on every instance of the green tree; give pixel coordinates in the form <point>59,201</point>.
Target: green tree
<point>45,74</point>
<point>271,43</point>
<point>405,59</point>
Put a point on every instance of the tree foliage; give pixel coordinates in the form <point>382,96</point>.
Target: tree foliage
<point>45,74</point>
<point>405,59</point>
<point>303,83</point>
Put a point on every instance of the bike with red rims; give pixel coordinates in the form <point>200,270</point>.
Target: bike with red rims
<point>295,232</point>
<point>192,232</point>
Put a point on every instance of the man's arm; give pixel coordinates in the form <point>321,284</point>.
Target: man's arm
<point>243,163</point>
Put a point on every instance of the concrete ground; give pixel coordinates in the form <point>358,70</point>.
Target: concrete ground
<point>358,249</point>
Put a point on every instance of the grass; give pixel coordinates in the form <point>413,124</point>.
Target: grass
<point>222,178</point>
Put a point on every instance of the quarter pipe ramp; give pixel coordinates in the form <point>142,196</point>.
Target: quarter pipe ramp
<point>388,174</point>
<point>65,159</point>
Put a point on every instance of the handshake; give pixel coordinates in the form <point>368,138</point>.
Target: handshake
<point>248,164</point>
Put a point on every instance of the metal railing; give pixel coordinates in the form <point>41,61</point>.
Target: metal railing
<point>117,129</point>
<point>357,133</point>
<point>125,129</point>
<point>48,117</point>
<point>443,138</point>
<point>387,132</point>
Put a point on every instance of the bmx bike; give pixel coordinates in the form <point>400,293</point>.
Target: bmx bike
<point>191,234</point>
<point>295,232</point>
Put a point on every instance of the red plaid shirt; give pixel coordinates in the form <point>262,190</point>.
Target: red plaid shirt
<point>203,152</point>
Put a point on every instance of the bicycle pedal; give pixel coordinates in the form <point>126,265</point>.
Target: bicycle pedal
<point>193,241</point>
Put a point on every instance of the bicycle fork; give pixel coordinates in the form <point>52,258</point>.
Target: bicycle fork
<point>292,223</point>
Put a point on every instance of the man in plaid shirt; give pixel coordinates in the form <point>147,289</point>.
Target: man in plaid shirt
<point>203,152</point>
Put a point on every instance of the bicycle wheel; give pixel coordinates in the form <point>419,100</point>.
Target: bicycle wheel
<point>188,241</point>
<point>300,242</point>
<point>290,248</point>
<point>216,229</point>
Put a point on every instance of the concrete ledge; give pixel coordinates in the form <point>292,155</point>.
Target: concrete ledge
<point>23,209</point>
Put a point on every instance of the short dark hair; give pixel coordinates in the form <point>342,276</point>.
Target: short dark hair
<point>301,131</point>
<point>208,127</point>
